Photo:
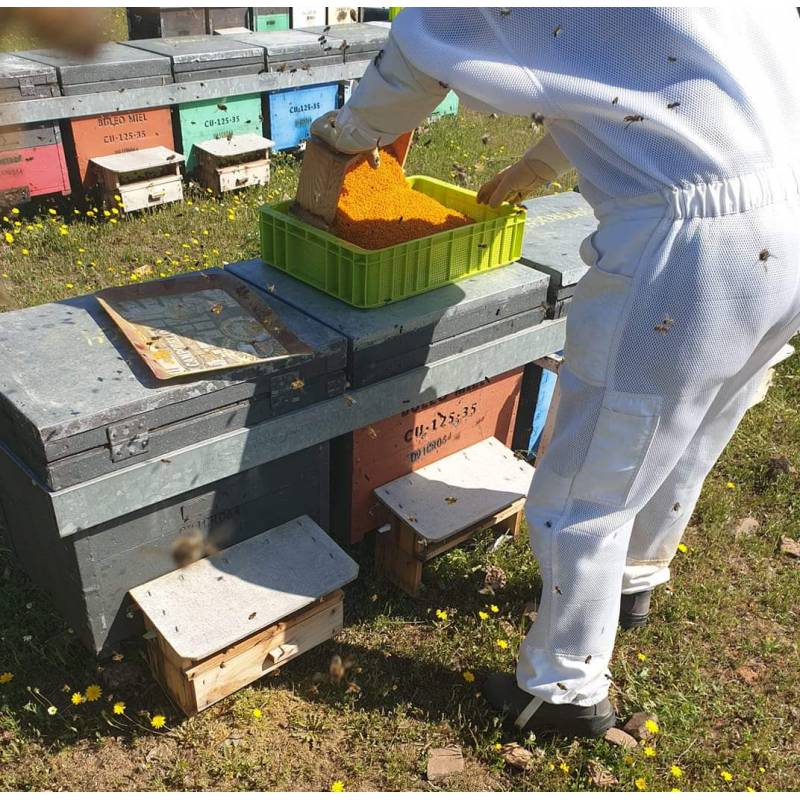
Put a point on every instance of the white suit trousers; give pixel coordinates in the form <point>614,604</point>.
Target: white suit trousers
<point>691,292</point>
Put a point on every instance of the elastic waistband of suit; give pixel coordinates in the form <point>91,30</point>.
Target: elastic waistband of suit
<point>734,195</point>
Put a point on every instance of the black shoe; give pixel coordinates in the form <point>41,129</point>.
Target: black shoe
<point>504,695</point>
<point>634,610</point>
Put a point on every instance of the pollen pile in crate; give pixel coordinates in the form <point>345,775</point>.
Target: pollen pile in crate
<point>377,208</point>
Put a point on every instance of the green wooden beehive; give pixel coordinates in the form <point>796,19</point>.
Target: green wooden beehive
<point>212,119</point>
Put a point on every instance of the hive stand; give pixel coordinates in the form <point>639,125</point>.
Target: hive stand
<point>445,503</point>
<point>234,162</point>
<point>551,363</point>
<point>322,175</point>
<point>142,178</point>
<point>224,621</point>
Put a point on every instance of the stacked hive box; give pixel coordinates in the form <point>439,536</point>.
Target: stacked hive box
<point>32,158</point>
<point>275,18</point>
<point>78,406</point>
<point>398,339</point>
<point>197,58</point>
<point>112,67</point>
<point>147,23</point>
<point>291,111</point>
<point>554,229</point>
<point>363,41</point>
<point>303,16</point>
<point>227,17</point>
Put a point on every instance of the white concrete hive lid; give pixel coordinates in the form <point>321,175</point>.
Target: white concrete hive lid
<point>217,601</point>
<point>457,492</point>
<point>236,145</point>
<point>136,160</point>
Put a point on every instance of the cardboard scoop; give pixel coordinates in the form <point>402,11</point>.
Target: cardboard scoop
<point>322,175</point>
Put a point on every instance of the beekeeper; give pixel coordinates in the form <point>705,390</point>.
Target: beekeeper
<point>684,126</point>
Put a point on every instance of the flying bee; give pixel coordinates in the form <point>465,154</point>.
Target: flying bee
<point>671,59</point>
<point>615,101</point>
<point>504,12</point>
<point>765,256</point>
<point>377,59</point>
<point>222,107</point>
<point>557,589</point>
<point>443,85</point>
<point>631,118</point>
<point>664,326</point>
<point>482,245</point>
<point>281,68</point>
<point>561,686</point>
<point>305,66</point>
<point>537,118</point>
<point>557,30</point>
<point>485,138</point>
<point>587,660</point>
<point>344,45</point>
<point>326,28</point>
<point>673,104</point>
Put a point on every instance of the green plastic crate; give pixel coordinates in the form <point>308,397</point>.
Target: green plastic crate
<point>371,278</point>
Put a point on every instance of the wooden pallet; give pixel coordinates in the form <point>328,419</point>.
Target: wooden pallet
<point>226,164</point>
<point>142,178</point>
<point>222,622</point>
<point>445,503</point>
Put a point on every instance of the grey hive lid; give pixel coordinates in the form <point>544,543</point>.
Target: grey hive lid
<point>283,45</point>
<point>217,601</point>
<point>193,53</point>
<point>360,36</point>
<point>554,229</point>
<point>65,369</point>
<point>111,61</point>
<point>16,71</point>
<point>450,310</point>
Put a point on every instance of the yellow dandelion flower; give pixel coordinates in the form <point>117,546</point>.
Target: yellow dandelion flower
<point>640,784</point>
<point>15,211</point>
<point>69,286</point>
<point>106,212</point>
<point>158,721</point>
<point>6,677</point>
<point>468,676</point>
<point>63,232</point>
<point>113,221</point>
<point>556,185</point>
<point>675,789</point>
<point>337,786</point>
<point>51,212</point>
<point>257,713</point>
<point>52,711</point>
<point>442,615</point>
<point>641,656</point>
<point>726,776</point>
<point>119,708</point>
<point>483,615</point>
<point>9,237</point>
<point>652,726</point>
<point>81,249</point>
<point>93,692</point>
<point>115,211</point>
<point>761,770</point>
<point>117,198</point>
<point>749,789</point>
<point>77,698</point>
<point>494,609</point>
<point>683,548</point>
<point>90,213</point>
<point>730,485</point>
<point>650,752</point>
<point>25,251</point>
<point>498,746</point>
<point>564,768</point>
<point>502,644</point>
<point>676,771</point>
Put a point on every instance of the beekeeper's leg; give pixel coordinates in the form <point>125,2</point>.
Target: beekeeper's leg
<point>659,526</point>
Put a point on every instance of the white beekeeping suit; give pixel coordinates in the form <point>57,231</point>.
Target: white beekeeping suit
<point>684,125</point>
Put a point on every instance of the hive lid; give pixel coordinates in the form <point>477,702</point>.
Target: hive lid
<point>554,229</point>
<point>17,71</point>
<point>443,312</point>
<point>193,53</point>
<point>239,144</point>
<point>218,601</point>
<point>285,45</point>
<point>67,374</point>
<point>111,61</point>
<point>458,491</point>
<point>360,36</point>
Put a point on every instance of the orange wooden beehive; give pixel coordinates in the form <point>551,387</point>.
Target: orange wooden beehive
<point>372,456</point>
<point>109,134</point>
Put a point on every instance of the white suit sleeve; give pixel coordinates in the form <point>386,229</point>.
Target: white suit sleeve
<point>393,97</point>
<point>548,152</point>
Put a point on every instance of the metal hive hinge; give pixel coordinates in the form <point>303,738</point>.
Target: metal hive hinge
<point>128,439</point>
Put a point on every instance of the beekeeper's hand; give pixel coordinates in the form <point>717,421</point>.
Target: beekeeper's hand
<point>343,140</point>
<point>543,163</point>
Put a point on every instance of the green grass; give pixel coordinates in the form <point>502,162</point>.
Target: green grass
<point>732,603</point>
